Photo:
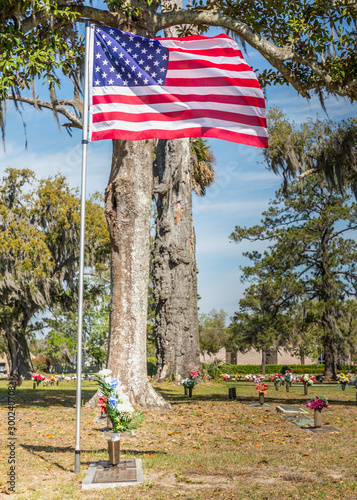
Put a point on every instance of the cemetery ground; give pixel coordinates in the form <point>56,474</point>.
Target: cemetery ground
<point>205,447</point>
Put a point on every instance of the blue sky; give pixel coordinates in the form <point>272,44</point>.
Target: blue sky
<point>241,192</point>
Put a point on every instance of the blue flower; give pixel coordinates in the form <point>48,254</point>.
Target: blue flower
<point>113,401</point>
<point>114,383</point>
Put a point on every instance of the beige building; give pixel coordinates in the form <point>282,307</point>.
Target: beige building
<point>253,357</point>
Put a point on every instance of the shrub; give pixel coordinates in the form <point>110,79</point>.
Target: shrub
<point>214,369</point>
<point>42,364</point>
<point>315,369</point>
<point>151,366</point>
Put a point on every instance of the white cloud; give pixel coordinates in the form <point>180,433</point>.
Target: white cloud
<point>67,162</point>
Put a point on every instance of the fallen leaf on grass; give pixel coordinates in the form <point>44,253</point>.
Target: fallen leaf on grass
<point>306,455</point>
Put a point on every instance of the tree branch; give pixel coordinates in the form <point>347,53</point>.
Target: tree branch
<point>58,105</point>
<point>336,233</point>
<point>276,56</point>
<point>305,174</point>
<point>78,13</point>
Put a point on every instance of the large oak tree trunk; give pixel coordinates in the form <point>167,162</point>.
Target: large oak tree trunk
<point>128,208</point>
<point>19,354</point>
<point>264,361</point>
<point>329,355</point>
<point>175,270</point>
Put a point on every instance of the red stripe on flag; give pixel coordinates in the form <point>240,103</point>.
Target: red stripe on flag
<point>216,133</point>
<point>194,37</point>
<point>226,52</point>
<point>167,98</point>
<point>223,81</point>
<point>174,116</point>
<point>201,63</point>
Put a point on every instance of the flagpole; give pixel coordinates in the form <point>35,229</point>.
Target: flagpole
<point>77,459</point>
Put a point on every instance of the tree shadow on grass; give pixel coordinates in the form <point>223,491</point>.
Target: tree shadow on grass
<point>45,397</point>
<point>173,398</point>
<point>38,452</point>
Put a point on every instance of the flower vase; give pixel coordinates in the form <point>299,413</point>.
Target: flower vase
<point>186,391</point>
<point>232,394</point>
<point>261,398</point>
<point>34,384</point>
<point>343,387</point>
<point>317,418</point>
<point>190,392</point>
<point>287,386</point>
<point>276,386</point>
<point>305,390</point>
<point>114,448</point>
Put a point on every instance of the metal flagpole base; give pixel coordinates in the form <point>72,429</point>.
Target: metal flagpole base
<point>77,461</point>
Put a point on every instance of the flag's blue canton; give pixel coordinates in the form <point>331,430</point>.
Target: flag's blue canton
<point>122,59</point>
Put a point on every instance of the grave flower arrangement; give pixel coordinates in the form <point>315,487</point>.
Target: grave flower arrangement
<point>318,403</point>
<point>15,380</point>
<point>277,378</point>
<point>191,380</point>
<point>115,403</point>
<point>38,378</point>
<point>343,380</point>
<point>262,388</point>
<point>307,380</point>
<point>288,377</point>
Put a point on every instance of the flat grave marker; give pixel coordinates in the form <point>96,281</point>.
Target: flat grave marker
<point>102,475</point>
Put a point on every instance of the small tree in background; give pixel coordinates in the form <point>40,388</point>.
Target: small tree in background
<point>39,253</point>
<point>213,331</point>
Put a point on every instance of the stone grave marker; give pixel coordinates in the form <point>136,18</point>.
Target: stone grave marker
<point>102,475</point>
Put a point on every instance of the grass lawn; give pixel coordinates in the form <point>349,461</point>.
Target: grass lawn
<point>205,447</point>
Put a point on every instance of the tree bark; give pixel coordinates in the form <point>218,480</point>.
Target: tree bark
<point>19,354</point>
<point>128,208</point>
<point>329,355</point>
<point>175,272</point>
<point>264,361</point>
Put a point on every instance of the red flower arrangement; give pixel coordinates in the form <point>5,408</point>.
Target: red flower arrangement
<point>262,388</point>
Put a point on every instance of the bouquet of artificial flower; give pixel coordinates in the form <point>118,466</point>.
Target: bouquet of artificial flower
<point>344,379</point>
<point>307,380</point>
<point>288,377</point>
<point>15,380</point>
<point>262,388</point>
<point>318,403</point>
<point>191,380</point>
<point>116,404</point>
<point>276,379</point>
<point>38,378</point>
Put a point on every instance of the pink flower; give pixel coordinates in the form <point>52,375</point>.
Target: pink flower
<point>318,404</point>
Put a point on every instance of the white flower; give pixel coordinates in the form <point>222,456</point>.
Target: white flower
<point>124,408</point>
<point>124,398</point>
<point>104,373</point>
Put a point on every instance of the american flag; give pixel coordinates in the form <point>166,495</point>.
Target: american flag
<point>169,88</point>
